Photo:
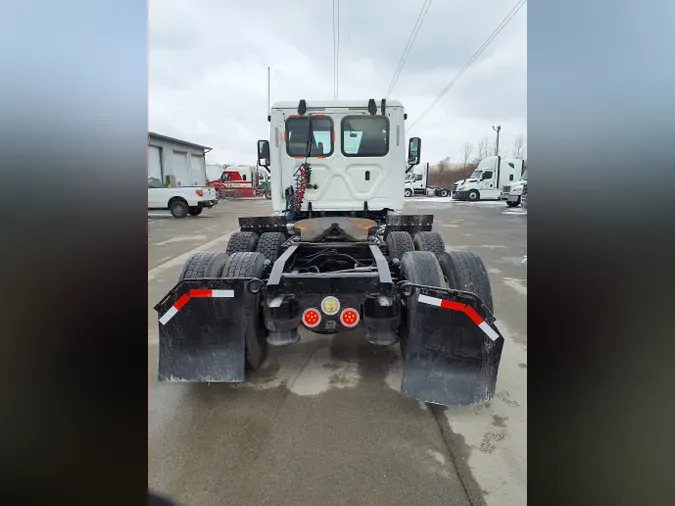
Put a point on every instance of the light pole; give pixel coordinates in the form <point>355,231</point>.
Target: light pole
<point>497,129</point>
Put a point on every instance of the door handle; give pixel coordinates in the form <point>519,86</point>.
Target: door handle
<point>367,175</point>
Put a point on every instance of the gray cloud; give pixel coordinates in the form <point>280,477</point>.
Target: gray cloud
<point>208,61</point>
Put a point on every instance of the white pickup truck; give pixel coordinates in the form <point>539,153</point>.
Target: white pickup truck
<point>180,200</point>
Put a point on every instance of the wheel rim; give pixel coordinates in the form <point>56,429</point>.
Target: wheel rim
<point>472,196</point>
<point>180,210</point>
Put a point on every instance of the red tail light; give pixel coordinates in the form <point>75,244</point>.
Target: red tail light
<point>311,318</point>
<point>200,192</point>
<point>350,317</point>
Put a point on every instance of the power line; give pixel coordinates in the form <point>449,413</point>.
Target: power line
<point>336,47</point>
<point>337,54</point>
<point>475,56</point>
<point>408,46</point>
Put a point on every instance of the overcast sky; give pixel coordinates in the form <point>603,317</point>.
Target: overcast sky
<point>209,58</point>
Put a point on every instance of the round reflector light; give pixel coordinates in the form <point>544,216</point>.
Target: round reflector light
<point>311,317</point>
<point>350,317</point>
<point>330,305</point>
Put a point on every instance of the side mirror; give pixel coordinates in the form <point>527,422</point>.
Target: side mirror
<point>414,150</point>
<point>264,153</point>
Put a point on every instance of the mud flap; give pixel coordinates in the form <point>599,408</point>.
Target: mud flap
<point>200,336</point>
<point>452,349</point>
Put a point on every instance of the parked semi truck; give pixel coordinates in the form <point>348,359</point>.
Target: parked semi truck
<point>337,254</point>
<point>415,183</point>
<point>487,182</point>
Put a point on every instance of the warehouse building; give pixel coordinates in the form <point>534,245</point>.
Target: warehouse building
<point>174,162</point>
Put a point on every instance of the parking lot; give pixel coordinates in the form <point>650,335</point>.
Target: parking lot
<point>323,421</point>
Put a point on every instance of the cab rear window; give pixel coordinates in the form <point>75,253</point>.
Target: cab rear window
<point>365,135</point>
<point>322,136</point>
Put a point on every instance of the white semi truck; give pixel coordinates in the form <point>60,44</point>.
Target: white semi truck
<point>487,182</point>
<point>337,254</point>
<point>416,183</point>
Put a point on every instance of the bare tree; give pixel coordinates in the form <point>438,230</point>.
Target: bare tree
<point>519,146</point>
<point>483,144</point>
<point>468,148</point>
<point>443,165</point>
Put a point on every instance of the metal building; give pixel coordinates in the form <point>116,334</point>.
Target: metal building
<point>174,162</point>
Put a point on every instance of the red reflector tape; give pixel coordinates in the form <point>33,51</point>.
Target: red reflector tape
<point>181,301</point>
<point>207,294</point>
<point>463,308</point>
<point>193,294</point>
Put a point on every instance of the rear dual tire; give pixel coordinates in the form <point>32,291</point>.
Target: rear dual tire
<point>429,241</point>
<point>203,265</point>
<point>242,242</point>
<point>250,265</point>
<point>460,270</point>
<point>239,265</point>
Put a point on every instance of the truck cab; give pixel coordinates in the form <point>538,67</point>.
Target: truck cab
<point>513,194</point>
<point>234,182</point>
<point>416,181</point>
<point>353,155</point>
<point>487,182</point>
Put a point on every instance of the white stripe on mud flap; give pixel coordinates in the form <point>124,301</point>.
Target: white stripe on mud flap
<point>489,331</point>
<point>168,315</point>
<point>432,301</point>
<point>228,294</point>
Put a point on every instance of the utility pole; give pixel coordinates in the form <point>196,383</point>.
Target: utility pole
<point>497,129</point>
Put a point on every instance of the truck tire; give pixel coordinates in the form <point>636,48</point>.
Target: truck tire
<point>429,241</point>
<point>270,243</point>
<point>242,242</point>
<point>513,204</point>
<point>443,192</point>
<point>408,192</point>
<point>420,267</point>
<point>250,265</point>
<point>214,268</point>
<point>464,270</point>
<point>473,195</point>
<point>178,208</point>
<point>195,266</point>
<point>399,243</point>
<point>195,211</point>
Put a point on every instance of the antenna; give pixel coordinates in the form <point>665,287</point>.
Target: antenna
<point>268,91</point>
